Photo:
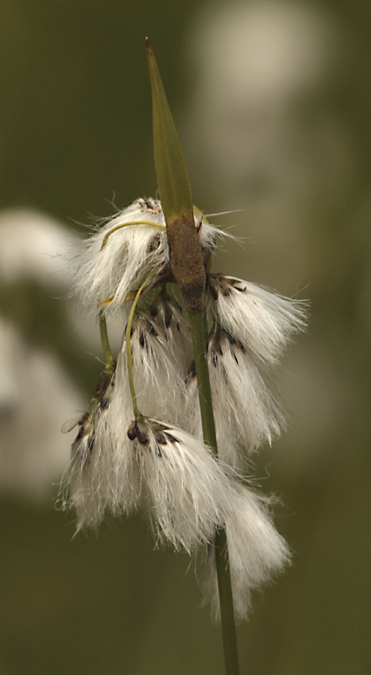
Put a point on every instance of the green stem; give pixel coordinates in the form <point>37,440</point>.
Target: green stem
<point>226,603</point>
<point>221,547</point>
<point>108,358</point>
<point>203,380</point>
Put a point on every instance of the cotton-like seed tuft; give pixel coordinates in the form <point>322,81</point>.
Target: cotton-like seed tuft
<point>159,383</point>
<point>260,320</point>
<point>168,315</point>
<point>100,478</point>
<point>114,260</point>
<point>246,403</point>
<point>256,552</point>
<point>185,490</point>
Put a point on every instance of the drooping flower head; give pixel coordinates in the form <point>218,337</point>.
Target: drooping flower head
<point>149,440</point>
<point>156,461</point>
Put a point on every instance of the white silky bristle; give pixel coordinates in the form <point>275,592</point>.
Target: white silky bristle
<point>129,253</point>
<point>102,478</point>
<point>186,490</point>
<point>247,409</point>
<point>159,385</point>
<point>257,552</point>
<point>259,319</point>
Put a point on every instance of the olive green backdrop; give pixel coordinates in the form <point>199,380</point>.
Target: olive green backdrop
<point>75,135</point>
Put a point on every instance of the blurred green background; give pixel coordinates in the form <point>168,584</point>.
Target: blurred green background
<point>273,102</point>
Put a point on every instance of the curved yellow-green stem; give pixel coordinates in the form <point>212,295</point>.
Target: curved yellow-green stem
<point>133,222</point>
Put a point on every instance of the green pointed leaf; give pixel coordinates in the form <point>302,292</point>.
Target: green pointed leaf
<point>172,175</point>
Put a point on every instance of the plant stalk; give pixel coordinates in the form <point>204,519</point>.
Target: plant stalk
<point>187,266</point>
<point>221,547</point>
<point>108,358</point>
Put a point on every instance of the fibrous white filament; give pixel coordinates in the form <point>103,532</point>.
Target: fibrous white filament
<point>246,403</point>
<point>256,552</point>
<point>259,319</point>
<point>169,317</point>
<point>183,487</point>
<point>159,384</point>
<point>114,260</point>
<point>100,477</point>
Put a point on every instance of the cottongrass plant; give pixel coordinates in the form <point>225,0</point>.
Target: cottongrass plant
<point>149,440</point>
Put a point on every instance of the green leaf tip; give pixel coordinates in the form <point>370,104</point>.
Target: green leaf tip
<point>185,251</point>
<point>172,175</point>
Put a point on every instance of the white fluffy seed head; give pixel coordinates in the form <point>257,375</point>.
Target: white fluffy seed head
<point>259,319</point>
<point>175,479</point>
<point>169,317</point>
<point>246,403</point>
<point>159,384</point>
<point>100,477</point>
<point>129,253</point>
<point>184,488</point>
<point>120,464</point>
<point>118,256</point>
<point>257,552</point>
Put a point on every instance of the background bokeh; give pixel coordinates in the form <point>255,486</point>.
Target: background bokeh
<point>273,104</point>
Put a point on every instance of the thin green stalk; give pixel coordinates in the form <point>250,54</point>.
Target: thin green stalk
<point>109,361</point>
<point>226,603</point>
<point>221,547</point>
<point>187,266</point>
<point>109,367</point>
